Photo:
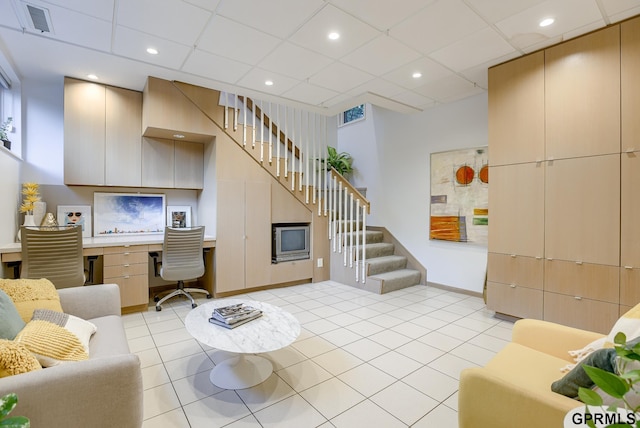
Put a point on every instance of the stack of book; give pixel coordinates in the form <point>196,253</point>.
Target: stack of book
<point>234,315</point>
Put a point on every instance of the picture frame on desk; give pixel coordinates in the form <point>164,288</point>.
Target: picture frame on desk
<point>76,215</point>
<point>128,213</point>
<point>179,216</point>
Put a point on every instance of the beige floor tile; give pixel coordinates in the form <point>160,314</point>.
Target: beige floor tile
<point>451,365</point>
<point>141,344</point>
<point>365,328</point>
<point>159,400</point>
<point>395,364</point>
<point>458,332</point>
<point>337,361</point>
<point>404,402</point>
<point>473,353</point>
<point>284,357</point>
<point>427,321</point>
<point>168,325</point>
<point>390,339</point>
<point>441,416</point>
<point>411,330</point>
<point>171,419</point>
<point>367,379</point>
<point>216,410</point>
<point>292,412</point>
<point>440,341</point>
<point>313,346</point>
<point>435,384</point>
<point>193,388</point>
<point>366,414</point>
<point>420,352</point>
<point>270,391</point>
<point>489,342</point>
<point>304,375</point>
<point>341,336</point>
<point>344,319</point>
<point>172,336</point>
<point>452,401</point>
<point>332,397</point>
<point>365,349</point>
<point>149,357</point>
<point>153,376</point>
<point>320,326</point>
<point>188,366</point>
<point>179,350</point>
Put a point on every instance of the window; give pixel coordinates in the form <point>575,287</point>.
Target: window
<point>354,114</point>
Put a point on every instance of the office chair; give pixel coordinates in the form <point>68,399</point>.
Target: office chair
<point>54,253</point>
<point>182,259</point>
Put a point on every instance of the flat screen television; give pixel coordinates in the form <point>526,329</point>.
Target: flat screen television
<point>290,242</point>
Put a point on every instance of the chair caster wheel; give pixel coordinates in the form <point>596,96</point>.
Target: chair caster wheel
<point>156,299</point>
<point>208,296</point>
<point>193,305</point>
<point>158,308</point>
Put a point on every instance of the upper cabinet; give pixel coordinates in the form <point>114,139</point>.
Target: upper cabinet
<point>629,72</point>
<point>582,96</point>
<point>516,111</point>
<point>172,164</point>
<point>101,134</point>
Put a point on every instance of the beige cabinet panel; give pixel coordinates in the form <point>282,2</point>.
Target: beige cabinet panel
<point>128,267</point>
<point>630,84</point>
<point>629,286</point>
<point>516,209</point>
<point>291,271</point>
<point>580,313</point>
<point>582,95</point>
<point>285,209</point>
<point>157,162</point>
<point>134,290</point>
<point>515,270</point>
<point>597,282</point>
<point>582,209</point>
<point>516,301</point>
<point>230,236</point>
<point>189,165</point>
<point>630,210</point>
<point>123,133</point>
<point>258,233</point>
<point>84,132</point>
<point>516,111</point>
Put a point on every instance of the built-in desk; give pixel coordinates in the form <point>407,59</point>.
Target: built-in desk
<point>126,262</point>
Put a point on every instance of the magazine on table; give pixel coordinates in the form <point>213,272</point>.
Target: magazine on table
<point>215,321</point>
<point>234,314</point>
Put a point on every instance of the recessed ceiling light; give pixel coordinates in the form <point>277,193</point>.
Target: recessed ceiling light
<point>416,75</point>
<point>268,82</point>
<point>334,35</point>
<point>152,51</point>
<point>546,22</point>
<point>178,136</point>
<point>92,76</point>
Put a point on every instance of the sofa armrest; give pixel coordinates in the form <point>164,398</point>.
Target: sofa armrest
<point>101,392</point>
<point>486,400</point>
<point>551,338</point>
<point>91,301</point>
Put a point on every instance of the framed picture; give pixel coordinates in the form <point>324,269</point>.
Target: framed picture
<point>179,216</point>
<point>128,213</point>
<point>76,215</point>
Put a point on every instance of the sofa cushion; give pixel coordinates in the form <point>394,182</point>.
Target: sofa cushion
<point>10,323</point>
<point>55,337</point>
<point>15,358</point>
<point>31,294</point>
<point>110,338</point>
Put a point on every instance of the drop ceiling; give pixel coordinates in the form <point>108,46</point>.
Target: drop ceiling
<point>237,45</point>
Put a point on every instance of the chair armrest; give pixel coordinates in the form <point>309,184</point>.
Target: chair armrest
<point>551,338</point>
<point>101,392</point>
<point>486,400</point>
<point>91,301</point>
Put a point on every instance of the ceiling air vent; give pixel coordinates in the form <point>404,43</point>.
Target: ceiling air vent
<point>40,18</point>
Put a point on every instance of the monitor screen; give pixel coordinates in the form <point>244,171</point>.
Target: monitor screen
<point>293,240</point>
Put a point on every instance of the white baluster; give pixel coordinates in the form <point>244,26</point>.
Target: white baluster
<point>324,156</point>
<point>278,143</point>
<point>357,236</point>
<point>270,133</point>
<point>352,230</point>
<point>340,217</point>
<point>293,152</point>
<point>261,132</point>
<point>364,244</point>
<point>244,122</point>
<point>253,121</point>
<point>226,110</point>
<point>235,112</point>
<point>286,140</point>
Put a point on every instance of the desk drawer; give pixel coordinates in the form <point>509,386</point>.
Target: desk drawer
<point>134,289</point>
<point>127,249</point>
<point>125,258</point>
<point>125,270</point>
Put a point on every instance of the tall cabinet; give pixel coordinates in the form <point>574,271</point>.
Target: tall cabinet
<point>555,194</point>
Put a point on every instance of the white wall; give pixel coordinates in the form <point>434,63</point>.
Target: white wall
<point>392,156</point>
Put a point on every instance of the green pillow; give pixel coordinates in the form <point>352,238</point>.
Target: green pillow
<point>10,323</point>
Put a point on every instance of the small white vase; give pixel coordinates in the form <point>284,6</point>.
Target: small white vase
<point>39,210</point>
<point>29,220</point>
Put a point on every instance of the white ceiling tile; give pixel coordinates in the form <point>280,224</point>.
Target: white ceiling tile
<point>236,41</point>
<point>380,56</point>
<point>294,61</point>
<point>617,17</point>
<point>7,15</point>
<point>616,7</point>
<point>209,5</point>
<point>255,79</point>
<point>474,49</point>
<point>133,44</point>
<point>309,94</point>
<point>542,44</point>
<point>340,77</point>
<point>414,100</point>
<point>175,20</point>
<point>382,14</point>
<point>276,17</point>
<point>497,10</point>
<point>378,86</point>
<point>438,25</point>
<point>67,24</point>
<point>429,69</point>
<point>102,9</point>
<point>353,33</point>
<point>450,88</point>
<point>208,65</point>
<point>479,75</point>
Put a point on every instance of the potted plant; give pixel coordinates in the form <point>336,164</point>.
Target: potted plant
<point>341,162</point>
<point>6,127</point>
<point>7,403</point>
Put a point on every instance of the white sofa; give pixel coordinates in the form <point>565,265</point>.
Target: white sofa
<point>104,391</point>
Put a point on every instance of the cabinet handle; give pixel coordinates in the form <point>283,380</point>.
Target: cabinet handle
<point>126,277</point>
<point>578,262</point>
<point>629,150</point>
<point>127,265</point>
<point>628,267</point>
<point>512,285</point>
<point>538,258</point>
<point>126,254</point>
<point>513,255</point>
<point>550,259</point>
<point>577,297</point>
<point>127,245</point>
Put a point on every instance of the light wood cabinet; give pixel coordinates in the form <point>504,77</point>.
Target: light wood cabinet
<point>630,84</point>
<point>513,269</point>
<point>582,96</point>
<point>127,266</point>
<point>587,314</point>
<point>516,111</point>
<point>172,164</point>
<point>510,299</point>
<point>514,285</point>
<point>629,286</point>
<point>593,281</point>
<point>630,210</point>
<point>101,134</point>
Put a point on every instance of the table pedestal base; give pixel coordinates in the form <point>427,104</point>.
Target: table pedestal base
<point>243,371</point>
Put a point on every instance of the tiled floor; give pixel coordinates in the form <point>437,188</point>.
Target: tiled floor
<point>362,360</point>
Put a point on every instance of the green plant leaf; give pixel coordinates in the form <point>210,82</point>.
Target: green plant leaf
<point>610,383</point>
<point>7,403</point>
<point>589,397</point>
<point>620,339</point>
<point>15,422</point>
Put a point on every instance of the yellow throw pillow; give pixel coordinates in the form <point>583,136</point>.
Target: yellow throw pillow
<point>31,294</point>
<point>16,359</point>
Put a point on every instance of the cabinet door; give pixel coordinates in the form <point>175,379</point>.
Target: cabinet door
<point>258,236</point>
<point>597,282</point>
<point>516,111</point>
<point>123,137</point>
<point>84,132</point>
<point>629,286</point>
<point>516,209</point>
<point>157,162</point>
<point>630,210</point>
<point>521,302</point>
<point>582,95</point>
<point>630,84</point>
<point>189,165</point>
<point>230,236</point>
<point>586,314</point>
<point>516,270</point>
<point>582,210</point>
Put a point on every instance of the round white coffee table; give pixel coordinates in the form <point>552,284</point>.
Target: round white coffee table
<point>274,330</point>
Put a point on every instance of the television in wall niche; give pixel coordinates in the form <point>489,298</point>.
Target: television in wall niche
<point>291,241</point>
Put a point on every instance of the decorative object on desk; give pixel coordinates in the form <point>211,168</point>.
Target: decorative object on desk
<point>49,221</point>
<point>6,127</point>
<point>39,210</point>
<point>128,213</point>
<point>178,216</point>
<point>233,316</point>
<point>30,197</point>
<point>76,215</point>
